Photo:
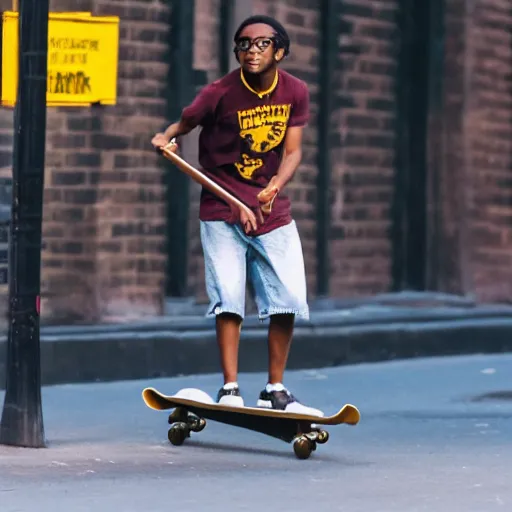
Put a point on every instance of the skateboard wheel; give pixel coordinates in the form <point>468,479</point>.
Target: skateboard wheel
<point>177,434</point>
<point>303,447</point>
<point>323,437</point>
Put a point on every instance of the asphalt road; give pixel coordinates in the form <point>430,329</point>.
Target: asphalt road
<point>425,443</point>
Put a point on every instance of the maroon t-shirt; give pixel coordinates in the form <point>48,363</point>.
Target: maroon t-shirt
<point>242,140</point>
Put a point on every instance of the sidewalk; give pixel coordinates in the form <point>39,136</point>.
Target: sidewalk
<point>339,332</point>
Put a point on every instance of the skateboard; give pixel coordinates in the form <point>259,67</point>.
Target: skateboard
<point>192,407</point>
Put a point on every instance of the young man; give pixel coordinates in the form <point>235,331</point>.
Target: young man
<point>250,143</point>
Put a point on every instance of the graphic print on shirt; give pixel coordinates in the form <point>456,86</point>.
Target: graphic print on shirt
<point>263,129</point>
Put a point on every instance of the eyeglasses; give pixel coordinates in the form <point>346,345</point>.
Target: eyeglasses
<point>262,43</point>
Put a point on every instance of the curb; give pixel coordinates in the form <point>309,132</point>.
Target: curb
<point>111,355</point>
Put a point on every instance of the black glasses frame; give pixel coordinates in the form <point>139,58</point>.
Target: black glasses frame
<point>244,44</point>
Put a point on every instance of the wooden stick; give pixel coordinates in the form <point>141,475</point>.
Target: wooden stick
<point>203,180</point>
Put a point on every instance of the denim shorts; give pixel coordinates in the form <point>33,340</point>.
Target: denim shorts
<point>273,263</point>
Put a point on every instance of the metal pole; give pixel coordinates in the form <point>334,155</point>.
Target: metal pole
<point>225,34</point>
<point>182,91</point>
<point>329,21</point>
<point>22,418</point>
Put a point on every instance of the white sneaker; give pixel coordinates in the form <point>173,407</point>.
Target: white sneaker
<point>230,396</point>
<point>283,400</point>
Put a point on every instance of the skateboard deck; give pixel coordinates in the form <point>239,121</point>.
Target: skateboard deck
<point>192,407</point>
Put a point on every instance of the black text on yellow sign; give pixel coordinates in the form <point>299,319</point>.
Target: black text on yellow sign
<point>82,59</point>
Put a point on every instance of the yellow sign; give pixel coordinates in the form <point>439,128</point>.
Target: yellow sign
<point>82,59</point>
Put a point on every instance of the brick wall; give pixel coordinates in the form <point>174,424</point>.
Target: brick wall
<point>489,136</point>
<point>363,151</point>
<point>474,247</point>
<point>448,266</point>
<point>120,235</point>
<point>104,218</point>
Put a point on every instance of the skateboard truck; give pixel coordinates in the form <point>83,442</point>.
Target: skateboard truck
<point>183,423</point>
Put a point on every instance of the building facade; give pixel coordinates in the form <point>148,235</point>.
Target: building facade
<point>406,181</point>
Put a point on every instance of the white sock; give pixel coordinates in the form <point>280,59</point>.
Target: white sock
<point>230,385</point>
<point>274,387</point>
